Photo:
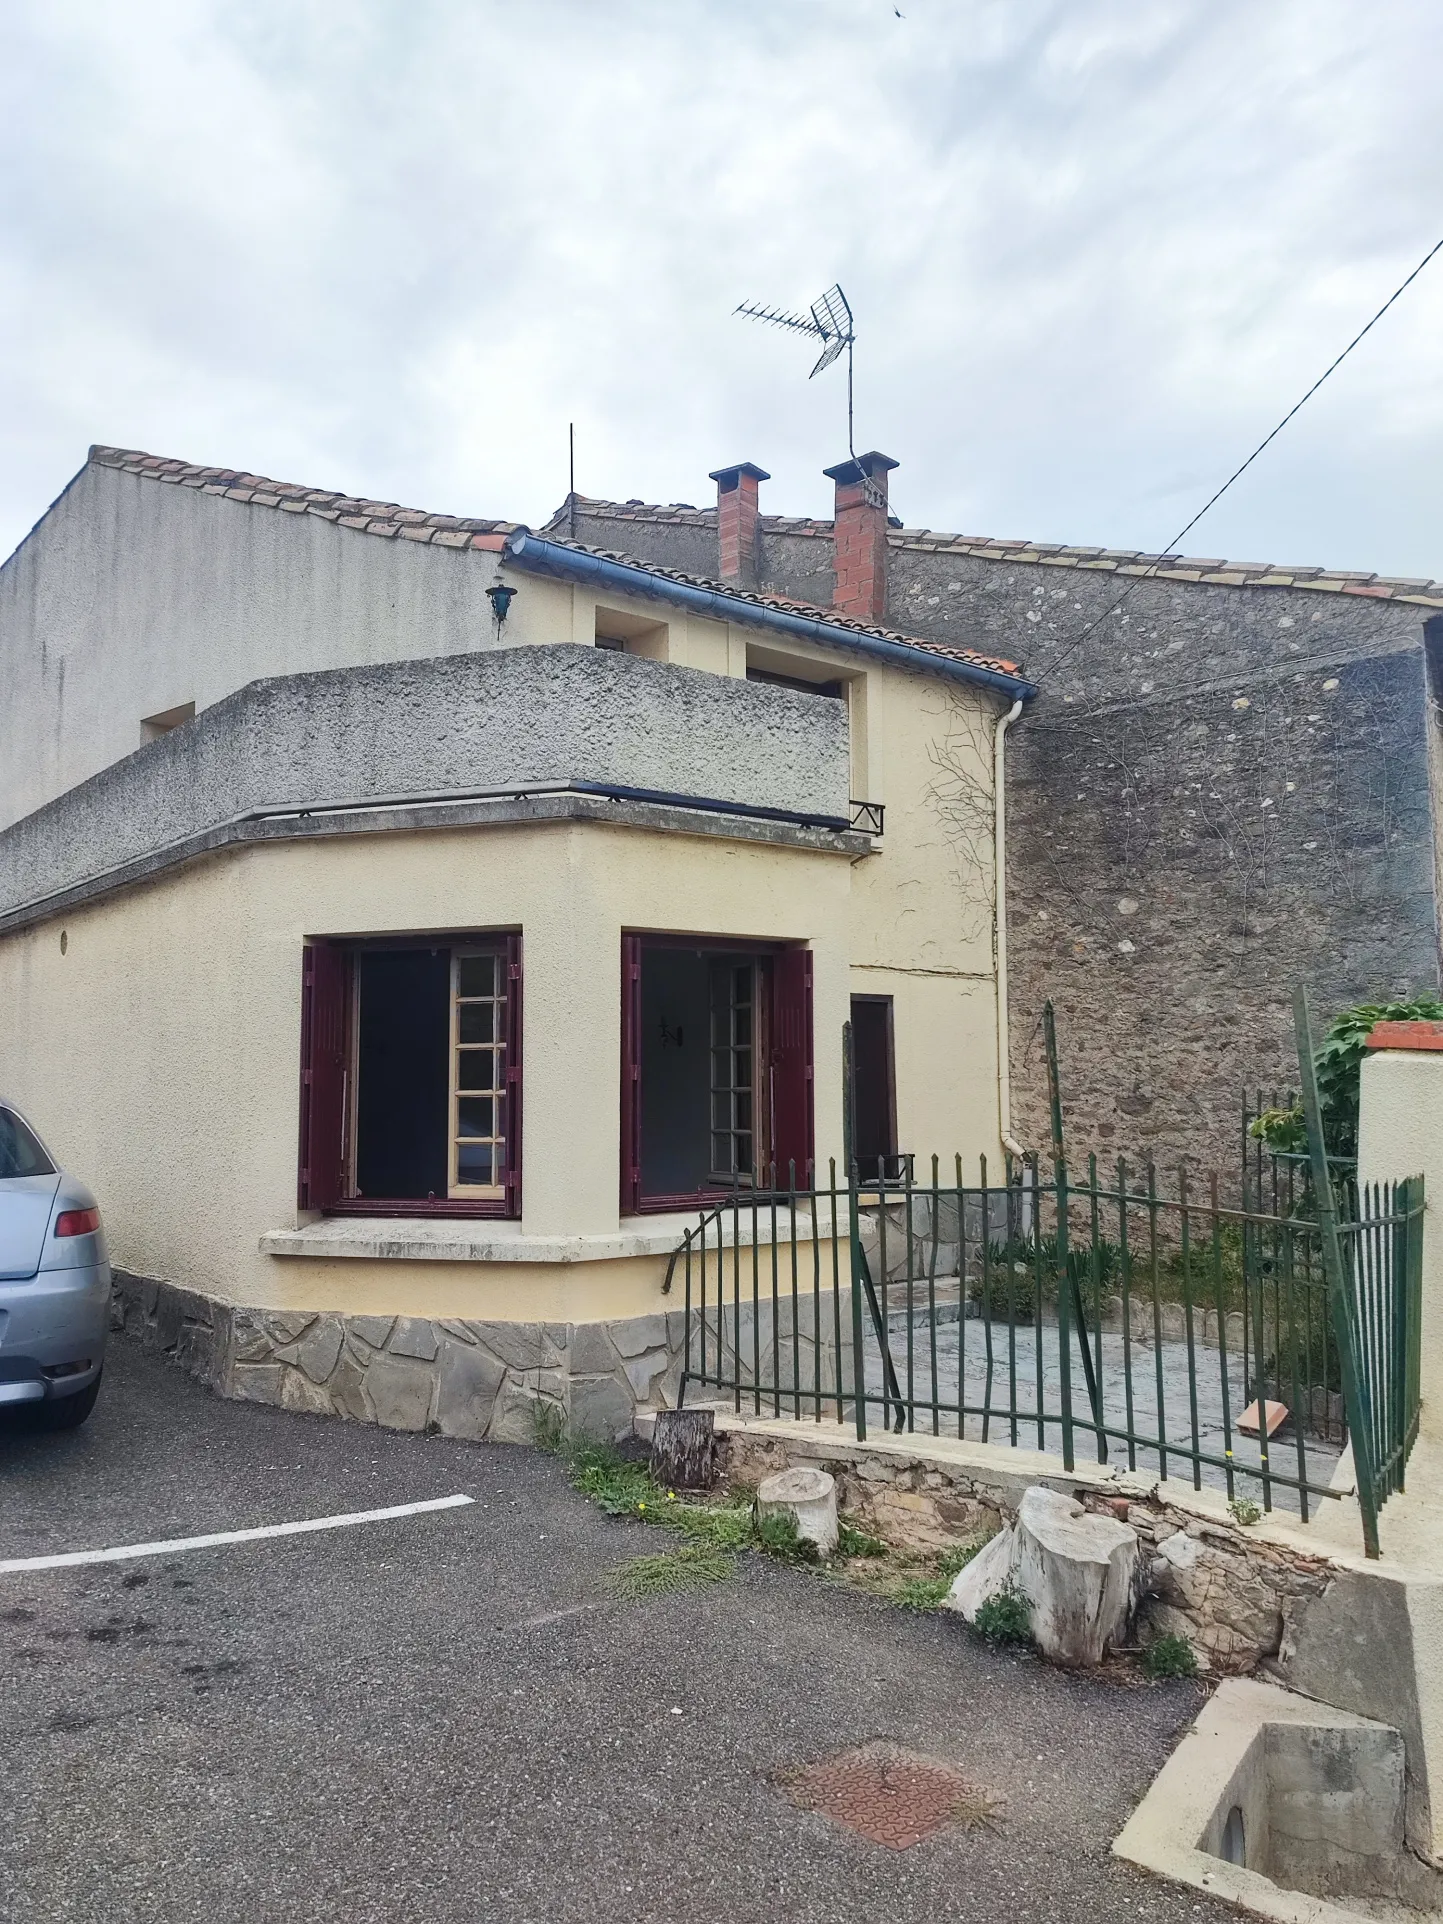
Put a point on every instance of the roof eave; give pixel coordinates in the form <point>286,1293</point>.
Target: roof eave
<point>534,554</point>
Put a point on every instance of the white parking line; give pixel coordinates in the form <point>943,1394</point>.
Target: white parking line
<point>123,1552</point>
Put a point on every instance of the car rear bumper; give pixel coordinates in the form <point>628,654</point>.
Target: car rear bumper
<point>52,1333</point>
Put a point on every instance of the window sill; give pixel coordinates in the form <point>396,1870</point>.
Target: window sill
<point>451,1240</point>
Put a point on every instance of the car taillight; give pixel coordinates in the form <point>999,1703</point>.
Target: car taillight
<point>77,1222</point>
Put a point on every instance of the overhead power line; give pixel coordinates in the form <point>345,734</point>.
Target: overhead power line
<point>1238,472</point>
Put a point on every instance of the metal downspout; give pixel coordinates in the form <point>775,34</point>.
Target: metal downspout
<point>999,822</point>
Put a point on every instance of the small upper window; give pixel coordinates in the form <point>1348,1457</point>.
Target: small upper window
<point>834,689</point>
<point>152,727</point>
<point>20,1153</point>
<point>626,633</point>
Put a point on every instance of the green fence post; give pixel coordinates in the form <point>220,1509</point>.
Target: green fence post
<point>854,1230</point>
<point>1344,1331</point>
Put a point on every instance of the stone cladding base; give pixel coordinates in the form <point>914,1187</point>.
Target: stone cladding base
<point>483,1381</point>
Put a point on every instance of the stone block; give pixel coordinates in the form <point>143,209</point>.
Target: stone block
<point>249,1341</point>
<point>467,1386</point>
<point>515,1411</point>
<point>519,1345</point>
<point>414,1336</point>
<point>195,1350</point>
<point>600,1407</point>
<point>642,1372</point>
<point>398,1394</point>
<point>319,1349</point>
<point>347,1392</point>
<point>635,1334</point>
<point>298,1392</point>
<point>458,1330</point>
<point>370,1330</point>
<point>591,1351</point>
<point>257,1382</point>
<point>285,1325</point>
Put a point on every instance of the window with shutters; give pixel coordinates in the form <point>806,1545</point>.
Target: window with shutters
<point>716,1090</point>
<point>411,1076</point>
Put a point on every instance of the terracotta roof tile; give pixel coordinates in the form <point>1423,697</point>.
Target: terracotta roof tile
<point>1211,570</point>
<point>388,519</point>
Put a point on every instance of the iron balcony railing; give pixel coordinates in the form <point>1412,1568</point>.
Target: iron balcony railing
<point>867,816</point>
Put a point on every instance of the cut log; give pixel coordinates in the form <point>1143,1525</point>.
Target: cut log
<point>1079,1572</point>
<point>809,1497</point>
<point>683,1449</point>
<point>989,1572</point>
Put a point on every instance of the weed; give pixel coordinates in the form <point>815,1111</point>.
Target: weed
<point>724,1528</point>
<point>1170,1656</point>
<point>953,1562</point>
<point>922,1593</point>
<point>1004,1618</point>
<point>548,1428</point>
<point>690,1568</point>
<point>1244,1511</point>
<point>615,1485</point>
<point>778,1535</point>
<point>856,1543</point>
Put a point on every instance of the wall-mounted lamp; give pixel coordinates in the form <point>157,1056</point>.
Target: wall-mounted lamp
<point>501,596</point>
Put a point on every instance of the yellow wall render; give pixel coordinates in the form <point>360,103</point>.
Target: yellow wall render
<point>160,1053</point>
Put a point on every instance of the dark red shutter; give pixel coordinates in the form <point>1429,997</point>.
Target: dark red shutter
<point>513,1075</point>
<point>792,1100</point>
<point>630,1074</point>
<point>325,986</point>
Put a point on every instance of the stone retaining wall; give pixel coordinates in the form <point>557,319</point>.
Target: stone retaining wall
<point>1231,1592</point>
<point>479,1380</point>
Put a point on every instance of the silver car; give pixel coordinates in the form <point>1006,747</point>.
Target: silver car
<point>54,1283</point>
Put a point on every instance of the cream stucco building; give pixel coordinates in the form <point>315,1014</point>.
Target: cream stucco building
<point>407,923</point>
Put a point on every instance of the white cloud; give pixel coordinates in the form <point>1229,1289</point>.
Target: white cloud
<point>1095,250</point>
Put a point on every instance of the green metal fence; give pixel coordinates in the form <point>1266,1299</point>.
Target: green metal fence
<point>1142,1321</point>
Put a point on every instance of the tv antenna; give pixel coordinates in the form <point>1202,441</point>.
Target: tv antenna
<point>829,321</point>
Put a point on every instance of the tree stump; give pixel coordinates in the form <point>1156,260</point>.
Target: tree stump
<point>1080,1574</point>
<point>809,1497</point>
<point>683,1449</point>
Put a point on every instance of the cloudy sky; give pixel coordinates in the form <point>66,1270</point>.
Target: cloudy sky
<point>1095,249</point>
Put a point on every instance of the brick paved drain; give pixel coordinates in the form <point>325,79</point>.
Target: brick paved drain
<point>891,1796</point>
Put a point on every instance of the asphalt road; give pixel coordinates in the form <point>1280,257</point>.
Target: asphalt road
<point>446,1717</point>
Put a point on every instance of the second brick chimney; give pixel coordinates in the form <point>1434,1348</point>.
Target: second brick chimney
<point>860,535</point>
<point>737,510</point>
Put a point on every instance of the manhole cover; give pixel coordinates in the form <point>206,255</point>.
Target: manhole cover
<point>891,1796</point>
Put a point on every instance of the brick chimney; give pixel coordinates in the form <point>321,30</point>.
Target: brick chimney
<point>860,535</point>
<point>737,508</point>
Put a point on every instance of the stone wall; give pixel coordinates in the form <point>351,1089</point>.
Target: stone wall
<point>1221,791</point>
<point>482,1381</point>
<point>1232,1592</point>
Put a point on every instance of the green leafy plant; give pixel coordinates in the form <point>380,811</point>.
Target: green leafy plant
<point>724,1527</point>
<point>921,1593</point>
<point>1169,1656</point>
<point>1004,1618</point>
<point>689,1568</point>
<point>1339,1061</point>
<point>1244,1511</point>
<point>856,1543</point>
<point>953,1562</point>
<point>777,1534</point>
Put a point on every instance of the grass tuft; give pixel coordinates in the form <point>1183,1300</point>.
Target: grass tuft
<point>1169,1656</point>
<point>856,1543</point>
<point>778,1535</point>
<point>692,1567</point>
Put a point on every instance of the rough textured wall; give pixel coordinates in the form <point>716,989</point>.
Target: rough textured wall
<point>458,724</point>
<point>1220,792</point>
<point>133,597</point>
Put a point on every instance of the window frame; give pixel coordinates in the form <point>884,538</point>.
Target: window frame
<point>329,1038</point>
<point>771,959</point>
